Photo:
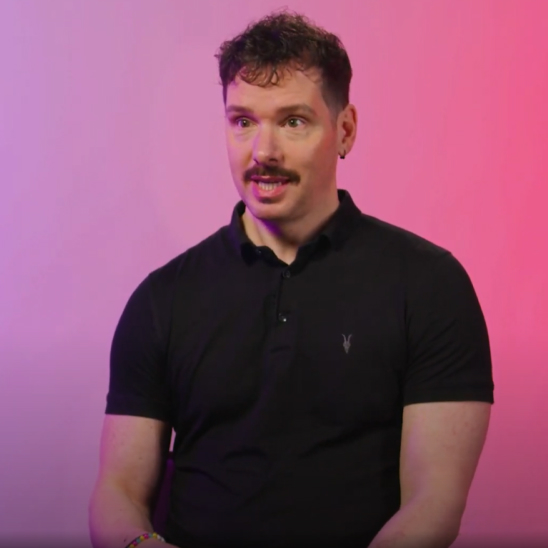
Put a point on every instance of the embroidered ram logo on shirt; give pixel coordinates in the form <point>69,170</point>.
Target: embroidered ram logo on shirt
<point>346,343</point>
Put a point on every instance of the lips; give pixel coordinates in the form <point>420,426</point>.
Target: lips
<point>269,180</point>
<point>268,188</point>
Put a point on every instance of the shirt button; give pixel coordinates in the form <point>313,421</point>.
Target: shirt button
<point>282,318</point>
<point>286,274</point>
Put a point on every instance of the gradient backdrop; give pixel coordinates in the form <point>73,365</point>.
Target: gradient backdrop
<point>112,161</point>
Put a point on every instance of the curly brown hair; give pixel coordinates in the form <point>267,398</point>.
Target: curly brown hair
<point>282,40</point>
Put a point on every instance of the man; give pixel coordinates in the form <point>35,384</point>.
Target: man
<point>328,375</point>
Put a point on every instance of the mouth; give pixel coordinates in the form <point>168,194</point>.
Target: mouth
<point>269,183</point>
<point>267,188</point>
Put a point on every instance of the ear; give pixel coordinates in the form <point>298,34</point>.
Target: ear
<point>347,126</point>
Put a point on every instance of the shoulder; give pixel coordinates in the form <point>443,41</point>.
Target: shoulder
<point>209,250</point>
<point>410,255</point>
<point>399,241</point>
<point>194,262</point>
<point>155,296</point>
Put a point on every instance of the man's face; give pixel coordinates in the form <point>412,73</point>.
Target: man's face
<point>282,146</point>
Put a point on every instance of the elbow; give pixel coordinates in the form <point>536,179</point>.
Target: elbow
<point>451,533</point>
<point>114,517</point>
<point>440,520</point>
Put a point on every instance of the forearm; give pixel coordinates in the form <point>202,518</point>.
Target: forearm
<point>115,520</point>
<point>419,524</point>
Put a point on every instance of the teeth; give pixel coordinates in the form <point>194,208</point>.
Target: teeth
<point>268,186</point>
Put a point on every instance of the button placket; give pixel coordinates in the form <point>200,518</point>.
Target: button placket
<point>283,316</point>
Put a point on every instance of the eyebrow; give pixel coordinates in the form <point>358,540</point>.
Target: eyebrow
<point>300,107</point>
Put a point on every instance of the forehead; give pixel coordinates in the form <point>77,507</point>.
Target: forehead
<point>292,86</point>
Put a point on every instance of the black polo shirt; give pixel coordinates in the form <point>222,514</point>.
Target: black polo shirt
<point>285,384</point>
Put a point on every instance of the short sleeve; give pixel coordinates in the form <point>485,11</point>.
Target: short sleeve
<point>138,373</point>
<point>449,357</point>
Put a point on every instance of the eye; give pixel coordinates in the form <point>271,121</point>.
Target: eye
<point>241,123</point>
<point>295,122</point>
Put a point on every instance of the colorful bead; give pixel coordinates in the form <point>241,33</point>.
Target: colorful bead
<point>144,536</point>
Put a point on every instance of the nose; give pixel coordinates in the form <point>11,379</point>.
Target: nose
<point>266,148</point>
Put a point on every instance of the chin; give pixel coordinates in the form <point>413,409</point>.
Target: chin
<point>268,212</point>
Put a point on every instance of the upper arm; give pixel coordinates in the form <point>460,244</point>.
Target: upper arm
<point>133,455</point>
<point>449,357</point>
<point>139,379</point>
<point>440,450</point>
<point>137,425</point>
<point>447,388</point>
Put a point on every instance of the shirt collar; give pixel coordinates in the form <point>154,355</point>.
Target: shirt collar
<point>337,230</point>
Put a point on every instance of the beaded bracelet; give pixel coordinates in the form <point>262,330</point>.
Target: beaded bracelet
<point>145,536</point>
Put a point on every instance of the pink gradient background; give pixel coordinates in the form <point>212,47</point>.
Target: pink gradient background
<point>112,161</point>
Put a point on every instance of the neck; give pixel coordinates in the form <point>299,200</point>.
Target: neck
<point>285,237</point>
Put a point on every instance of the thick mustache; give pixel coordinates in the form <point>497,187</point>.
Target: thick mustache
<point>291,176</point>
